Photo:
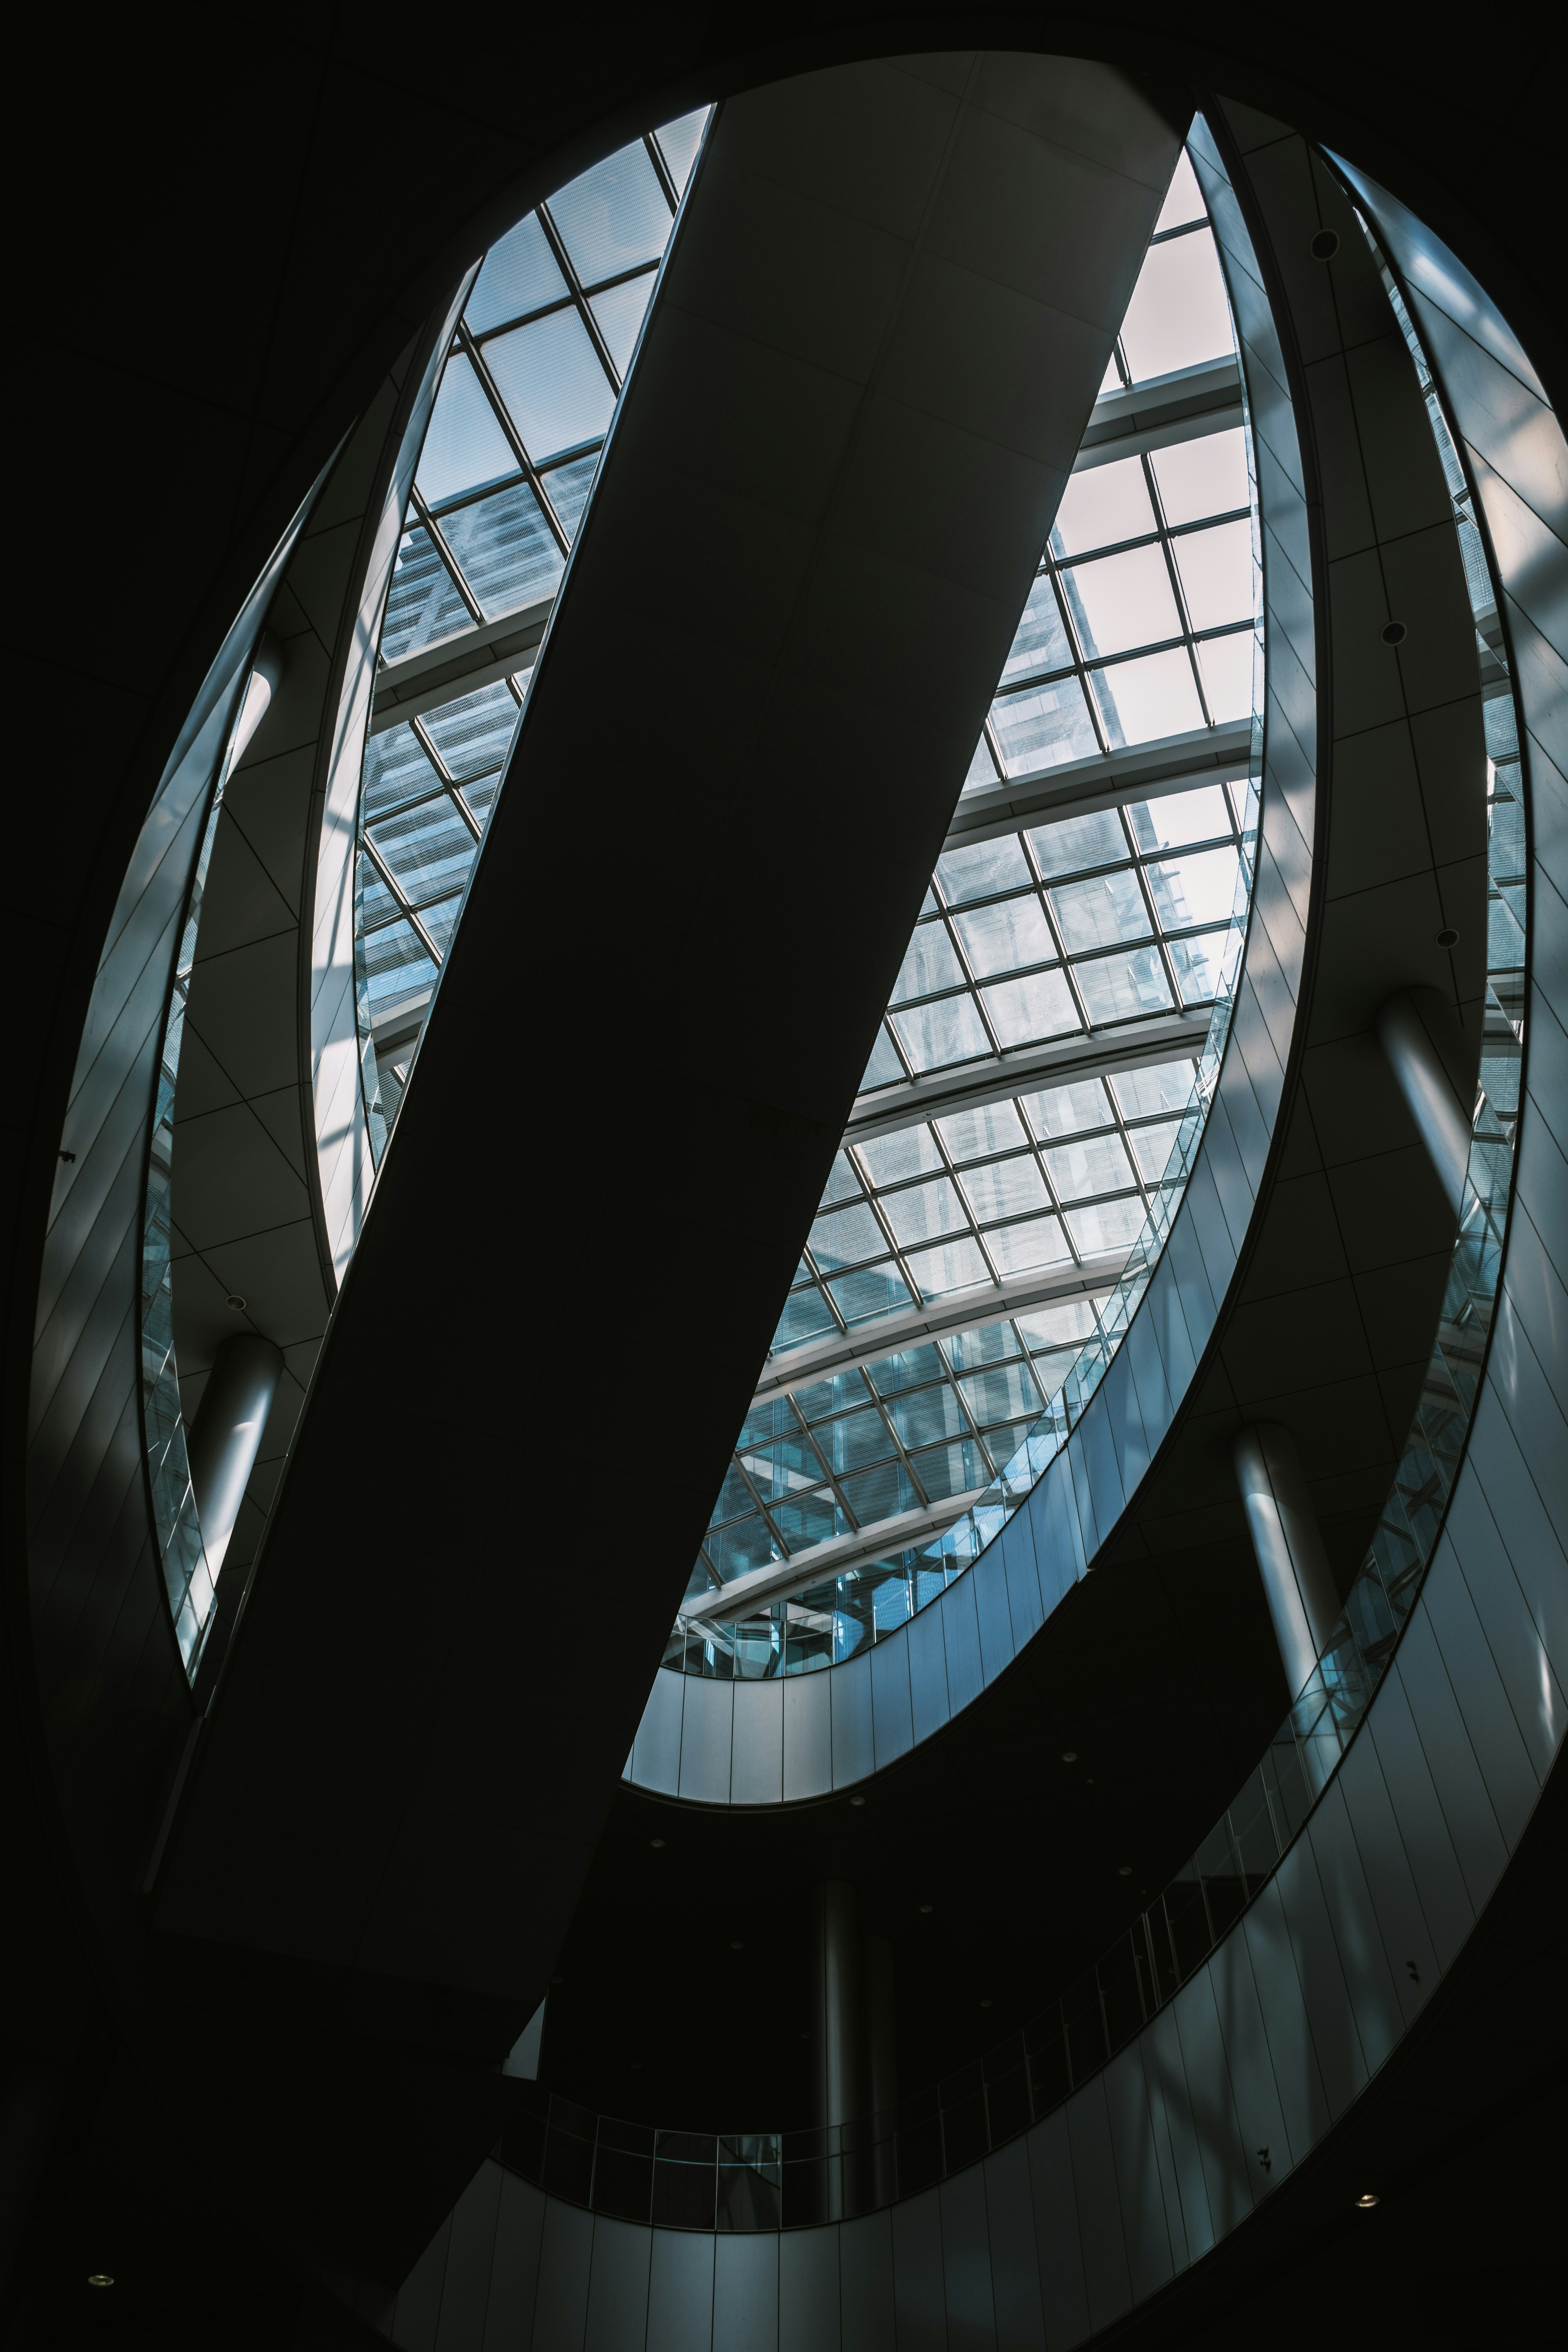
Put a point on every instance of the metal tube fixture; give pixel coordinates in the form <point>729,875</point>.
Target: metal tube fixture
<point>1297,1581</point>
<point>266,677</point>
<point>837,2047</point>
<point>1412,1028</point>
<point>882,2061</point>
<point>226,1434</point>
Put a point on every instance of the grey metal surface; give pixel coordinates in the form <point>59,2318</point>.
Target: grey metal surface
<point>1406,1025</point>
<point>226,1434</point>
<point>1287,1543</point>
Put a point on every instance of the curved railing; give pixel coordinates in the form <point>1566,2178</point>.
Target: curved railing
<point>769,2180</point>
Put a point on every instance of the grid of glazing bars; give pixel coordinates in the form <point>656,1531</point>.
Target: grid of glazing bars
<point>531,383</point>
<point>1083,925</point>
<point>1058,1177</point>
<point>939,1420</point>
<point>1074,682</point>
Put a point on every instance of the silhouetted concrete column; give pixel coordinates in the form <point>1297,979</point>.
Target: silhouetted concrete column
<point>226,1437</point>
<point>1297,1579</point>
<point>838,2043</point>
<point>882,2057</point>
<point>1412,1028</point>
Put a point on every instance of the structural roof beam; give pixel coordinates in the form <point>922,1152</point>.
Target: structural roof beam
<point>840,1351</point>
<point>885,1539</point>
<point>1146,771</point>
<point>1137,1046</point>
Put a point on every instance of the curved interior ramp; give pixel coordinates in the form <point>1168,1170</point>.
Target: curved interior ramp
<point>881,331</point>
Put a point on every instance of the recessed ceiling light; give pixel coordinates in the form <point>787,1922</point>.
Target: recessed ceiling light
<point>1367,2201</point>
<point>101,2278</point>
<point>985,2000</point>
<point>656,1844</point>
<point>925,1910</point>
<point>856,1801</point>
<point>736,1945</point>
<point>237,1303</point>
<point>1070,1755</point>
<point>1124,1870</point>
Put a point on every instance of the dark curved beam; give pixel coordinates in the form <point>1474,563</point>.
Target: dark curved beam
<point>880,333</point>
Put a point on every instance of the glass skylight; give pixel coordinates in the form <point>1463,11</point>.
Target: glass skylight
<point>530,386</point>
<point>1037,1066</point>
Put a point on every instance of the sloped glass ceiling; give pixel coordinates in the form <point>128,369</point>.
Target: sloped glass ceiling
<point>1037,1085</point>
<point>525,400</point>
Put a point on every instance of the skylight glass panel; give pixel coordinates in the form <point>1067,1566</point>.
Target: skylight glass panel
<point>1120,602</point>
<point>519,273</point>
<point>1226,666</point>
<point>506,549</point>
<point>612,217</point>
<point>862,1298</point>
<point>1077,842</point>
<point>929,964</point>
<point>1179,316</point>
<point>1069,1110</point>
<point>807,1316</point>
<point>679,142</point>
<point>1006,1188</point>
<point>1079,1171</point>
<point>1216,569</point>
<point>884,1069</point>
<point>398,968</point>
<point>956,1265</point>
<point>1197,478</point>
<point>1044,726</point>
<point>847,1237</point>
<point>1152,1146</point>
<point>925,1212</point>
<point>976,1134</point>
<point>935,1035</point>
<point>1144,1094</point>
<point>1123,987</point>
<point>567,487</point>
<point>471,734</point>
<point>1100,913</point>
<point>1107,1228</point>
<point>910,1152</point>
<point>550,378</point>
<point>1041,641</point>
<point>985,871</point>
<point>1200,888</point>
<point>1029,1247</point>
<point>425,849</point>
<point>1037,1006</point>
<point>396,770</point>
<point>1143,699</point>
<point>1200,966</point>
<point>1102,506</point>
<point>465,449</point>
<point>424,605</point>
<point>1178,818</point>
<point>1004,937</point>
<point>1183,198</point>
<point>620,312</point>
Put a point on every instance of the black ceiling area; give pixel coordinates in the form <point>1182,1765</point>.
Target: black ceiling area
<point>379,1967</point>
